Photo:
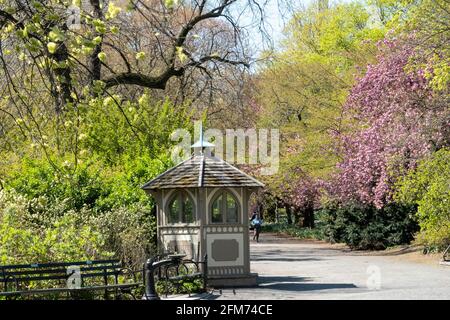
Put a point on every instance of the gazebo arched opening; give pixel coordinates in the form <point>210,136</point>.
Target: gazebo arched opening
<point>225,208</point>
<point>180,208</point>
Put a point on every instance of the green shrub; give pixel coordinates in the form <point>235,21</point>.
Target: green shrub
<point>32,233</point>
<point>130,232</point>
<point>428,187</point>
<point>24,241</point>
<point>186,286</point>
<point>368,228</point>
<point>35,178</point>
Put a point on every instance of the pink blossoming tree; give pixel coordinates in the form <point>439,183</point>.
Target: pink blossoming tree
<point>396,119</point>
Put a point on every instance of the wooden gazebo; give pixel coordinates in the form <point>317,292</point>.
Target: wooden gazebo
<point>202,208</point>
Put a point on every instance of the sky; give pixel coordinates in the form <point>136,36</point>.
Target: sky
<point>277,15</point>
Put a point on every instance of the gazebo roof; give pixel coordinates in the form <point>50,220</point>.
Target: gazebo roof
<point>202,171</point>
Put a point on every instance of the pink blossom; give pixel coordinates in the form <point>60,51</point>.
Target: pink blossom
<point>399,120</point>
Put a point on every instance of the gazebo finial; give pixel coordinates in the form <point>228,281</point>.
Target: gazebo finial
<point>201,145</point>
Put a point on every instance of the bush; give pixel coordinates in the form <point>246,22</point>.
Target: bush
<point>428,188</point>
<point>186,286</point>
<point>31,230</point>
<point>130,232</point>
<point>368,228</point>
<point>37,177</point>
<point>22,240</point>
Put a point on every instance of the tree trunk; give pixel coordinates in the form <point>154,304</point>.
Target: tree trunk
<point>276,214</point>
<point>95,65</point>
<point>297,215</point>
<point>308,217</point>
<point>61,79</point>
<point>260,210</point>
<point>288,213</point>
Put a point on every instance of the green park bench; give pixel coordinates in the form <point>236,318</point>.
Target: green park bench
<point>74,279</point>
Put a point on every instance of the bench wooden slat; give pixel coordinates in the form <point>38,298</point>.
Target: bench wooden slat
<point>52,271</point>
<point>59,277</point>
<point>63,290</point>
<point>99,274</point>
<point>58,264</point>
<point>35,278</point>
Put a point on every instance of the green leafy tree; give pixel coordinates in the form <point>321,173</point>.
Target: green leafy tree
<point>302,91</point>
<point>428,23</point>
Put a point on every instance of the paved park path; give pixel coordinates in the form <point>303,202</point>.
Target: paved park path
<point>299,269</point>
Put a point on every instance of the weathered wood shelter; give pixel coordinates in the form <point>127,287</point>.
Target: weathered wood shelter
<point>202,208</point>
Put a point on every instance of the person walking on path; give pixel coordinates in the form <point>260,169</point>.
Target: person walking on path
<point>256,223</point>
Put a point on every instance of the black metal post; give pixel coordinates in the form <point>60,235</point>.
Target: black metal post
<point>150,290</point>
<point>205,273</point>
<point>150,266</point>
